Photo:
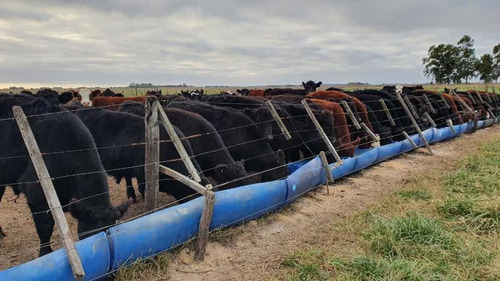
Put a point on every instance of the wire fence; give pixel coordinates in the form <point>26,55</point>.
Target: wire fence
<point>303,143</point>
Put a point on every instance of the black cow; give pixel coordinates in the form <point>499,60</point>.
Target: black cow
<point>310,140</point>
<point>77,173</point>
<point>309,87</point>
<point>252,107</point>
<point>120,138</point>
<point>243,92</point>
<point>211,153</point>
<point>242,137</point>
<point>193,95</point>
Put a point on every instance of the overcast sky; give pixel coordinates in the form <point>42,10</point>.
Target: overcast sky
<point>249,42</point>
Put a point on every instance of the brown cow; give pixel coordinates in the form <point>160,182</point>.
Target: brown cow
<point>113,103</point>
<point>256,93</point>
<point>346,147</point>
<point>360,108</point>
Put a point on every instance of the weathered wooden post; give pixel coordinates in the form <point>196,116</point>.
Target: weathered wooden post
<point>428,117</point>
<point>422,137</point>
<point>412,109</point>
<point>474,102</point>
<point>152,153</point>
<point>369,132</point>
<point>387,112</point>
<point>178,144</point>
<point>329,177</point>
<point>410,139</point>
<point>462,102</point>
<point>429,104</point>
<point>278,120</point>
<point>322,132</point>
<point>450,124</point>
<point>351,114</point>
<point>49,192</point>
<point>480,97</point>
<point>446,104</point>
<point>208,208</point>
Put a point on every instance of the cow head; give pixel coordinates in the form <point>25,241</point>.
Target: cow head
<point>94,220</point>
<point>243,92</point>
<point>264,118</point>
<point>310,86</point>
<point>229,172</point>
<point>87,96</point>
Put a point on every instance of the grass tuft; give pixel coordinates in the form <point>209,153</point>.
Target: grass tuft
<point>415,194</point>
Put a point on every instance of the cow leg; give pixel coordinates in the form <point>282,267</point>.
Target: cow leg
<point>130,189</point>
<point>2,191</point>
<point>44,226</point>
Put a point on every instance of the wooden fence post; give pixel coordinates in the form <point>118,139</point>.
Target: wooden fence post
<point>410,139</point>
<point>429,104</point>
<point>369,132</point>
<point>178,144</point>
<point>329,177</point>
<point>422,137</point>
<point>49,191</point>
<point>410,106</point>
<point>351,114</point>
<point>474,102</point>
<point>462,102</point>
<point>450,124</point>
<point>208,208</point>
<point>387,112</point>
<point>278,120</point>
<point>152,153</point>
<point>480,97</point>
<point>322,132</point>
<point>433,124</point>
<point>446,104</point>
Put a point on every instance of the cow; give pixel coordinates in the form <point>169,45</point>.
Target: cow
<point>360,109</point>
<point>252,107</point>
<point>256,93</point>
<point>242,137</point>
<point>120,139</point>
<point>243,92</point>
<point>193,95</point>
<point>113,103</point>
<point>209,149</point>
<point>309,87</point>
<point>156,93</point>
<point>372,99</point>
<point>311,142</point>
<point>346,146</point>
<point>336,89</point>
<point>78,175</point>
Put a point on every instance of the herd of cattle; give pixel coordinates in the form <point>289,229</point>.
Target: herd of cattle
<point>232,139</point>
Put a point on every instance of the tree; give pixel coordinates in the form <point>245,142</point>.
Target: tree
<point>466,60</point>
<point>441,63</point>
<point>496,62</point>
<point>485,67</point>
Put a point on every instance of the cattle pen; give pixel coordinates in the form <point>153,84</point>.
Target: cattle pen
<point>160,229</point>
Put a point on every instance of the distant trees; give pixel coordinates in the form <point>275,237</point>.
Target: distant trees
<point>447,63</point>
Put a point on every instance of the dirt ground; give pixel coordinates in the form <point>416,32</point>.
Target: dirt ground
<point>257,249</point>
<point>259,246</point>
<point>22,244</point>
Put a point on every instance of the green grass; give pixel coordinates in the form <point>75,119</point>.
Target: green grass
<point>448,229</point>
<point>415,194</point>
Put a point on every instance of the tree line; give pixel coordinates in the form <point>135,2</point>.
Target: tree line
<point>447,63</point>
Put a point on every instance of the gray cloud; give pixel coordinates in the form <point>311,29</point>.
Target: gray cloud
<point>231,42</point>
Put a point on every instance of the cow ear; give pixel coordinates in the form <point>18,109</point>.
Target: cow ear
<point>303,84</point>
<point>202,92</point>
<point>319,84</point>
<point>79,213</point>
<point>238,91</point>
<point>280,157</point>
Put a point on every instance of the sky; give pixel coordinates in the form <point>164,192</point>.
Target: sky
<point>233,42</point>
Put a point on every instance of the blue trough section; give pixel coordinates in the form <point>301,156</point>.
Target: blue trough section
<point>168,228</point>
